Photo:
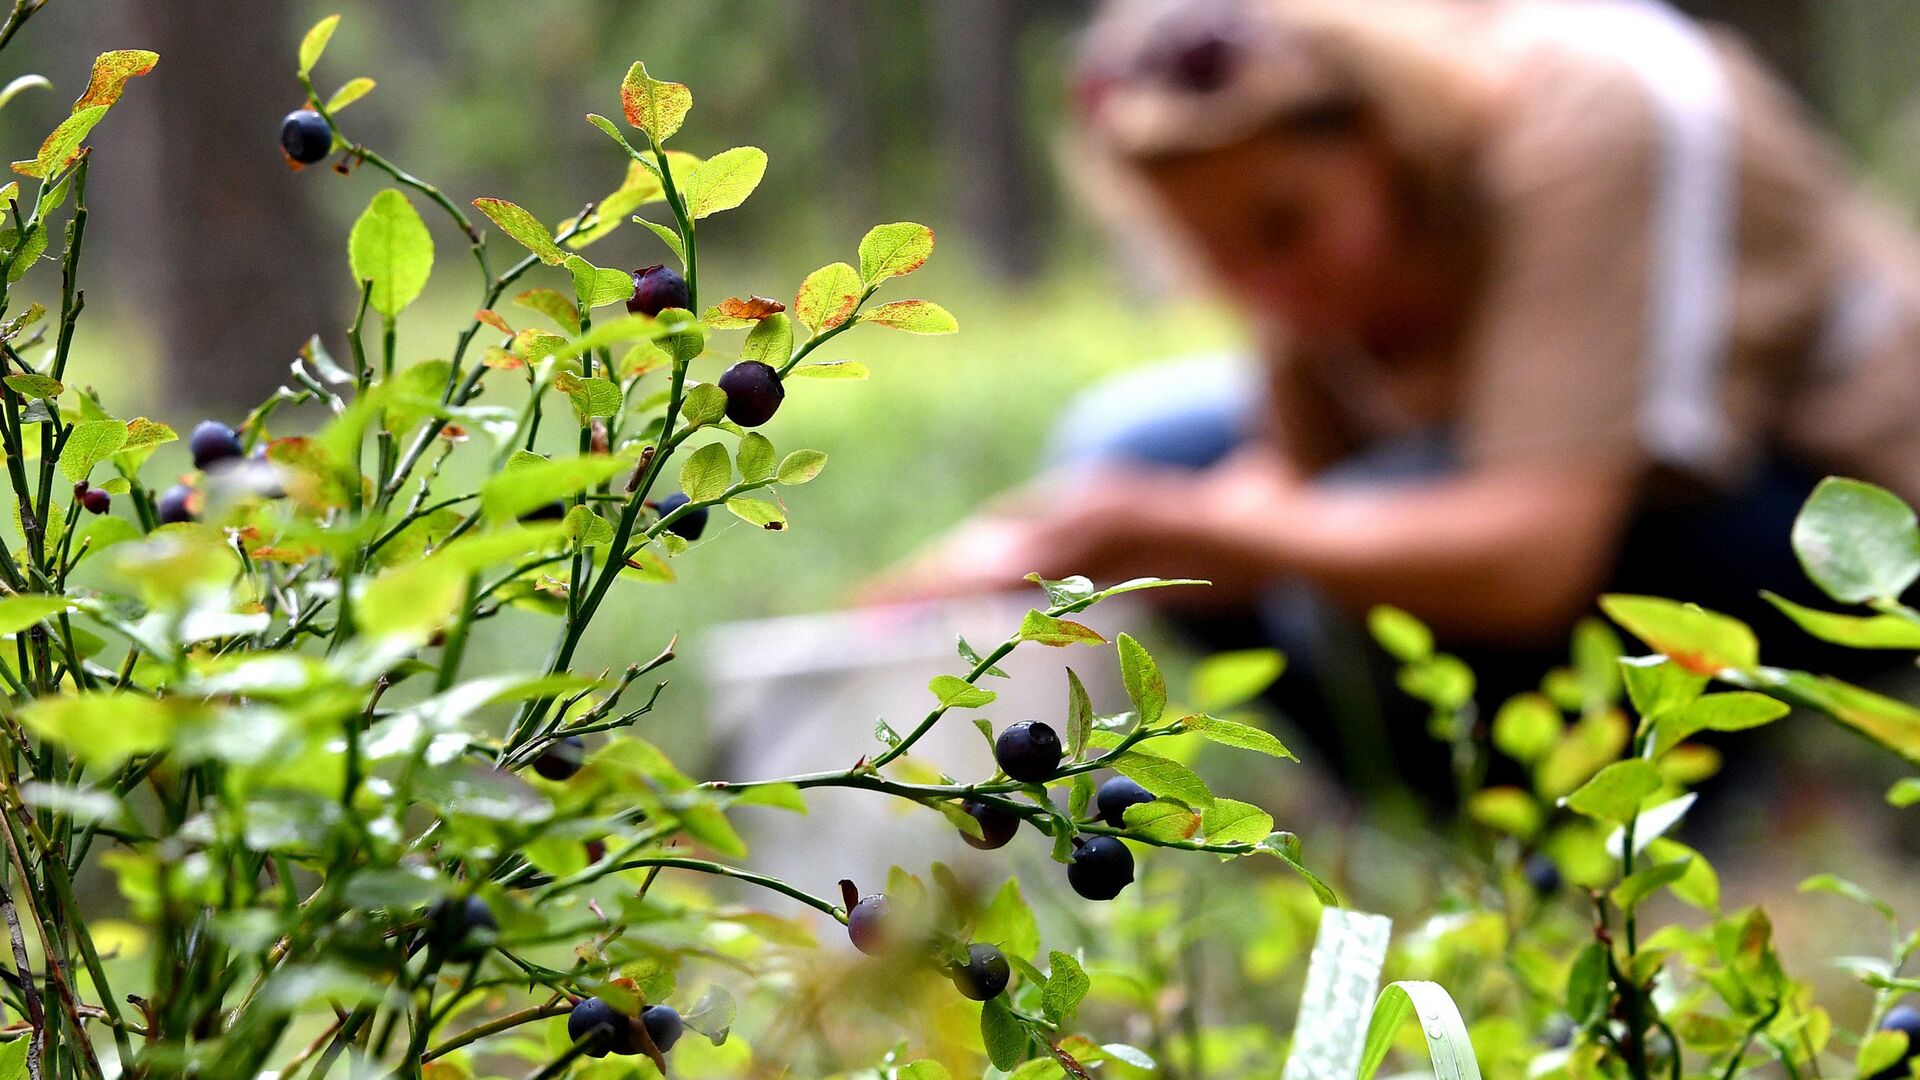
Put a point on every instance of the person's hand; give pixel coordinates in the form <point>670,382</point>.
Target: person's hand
<point>1109,525</point>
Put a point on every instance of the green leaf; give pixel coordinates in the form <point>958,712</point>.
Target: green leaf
<point>1589,988</point>
<point>315,42</point>
<point>827,297</point>
<point>916,1070</point>
<point>104,729</point>
<point>1854,631</point>
<point>35,385</point>
<point>350,91</point>
<point>1067,986</point>
<point>1227,679</point>
<point>1841,887</point>
<point>1405,638</point>
<point>1164,820</point>
<point>1527,728</point>
<point>705,403</point>
<point>1145,685</point>
<point>1657,685</point>
<point>709,826</point>
<point>706,474</point>
<point>1704,642</point>
<point>1891,723</point>
<point>800,466</point>
<point>667,236</point>
<point>1506,809</point>
<point>655,107</point>
<point>1904,793</point>
<point>62,145</point>
<point>13,1059</point>
<point>1006,1037</point>
<point>596,286</point>
<point>1734,711</point>
<point>390,246</point>
<point>1058,633</point>
<point>586,528</point>
<point>759,512</point>
<point>830,369</point>
<point>954,692</point>
<point>913,316</point>
<point>535,481</point>
<point>88,444</point>
<point>1616,792</point>
<point>892,250</point>
<point>553,305</point>
<point>30,251</point>
<point>1880,1051</point>
<point>755,457</point>
<point>1644,883</point>
<point>1008,922</point>
<point>1442,681</point>
<point>770,341</point>
<point>1237,735</point>
<point>1857,542</point>
<point>590,397</point>
<point>1230,821</point>
<point>723,181</point>
<point>19,612</point>
<point>1079,716</point>
<point>1164,777</point>
<point>525,229</point>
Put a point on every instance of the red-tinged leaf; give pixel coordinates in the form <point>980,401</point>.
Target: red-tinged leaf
<point>525,229</point>
<point>492,318</point>
<point>111,70</point>
<point>655,107</point>
<point>62,145</point>
<point>497,357</point>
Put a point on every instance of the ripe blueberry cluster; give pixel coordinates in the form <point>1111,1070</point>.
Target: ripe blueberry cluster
<point>1030,752</point>
<point>871,926</point>
<point>613,1032</point>
<point>214,446</point>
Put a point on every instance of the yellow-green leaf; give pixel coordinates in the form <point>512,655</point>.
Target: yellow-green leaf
<point>351,91</point>
<point>390,246</point>
<point>88,444</point>
<point>913,316</point>
<point>706,474</point>
<point>724,180</point>
<point>524,228</point>
<point>62,145</point>
<point>315,42</point>
<point>597,286</point>
<point>892,250</point>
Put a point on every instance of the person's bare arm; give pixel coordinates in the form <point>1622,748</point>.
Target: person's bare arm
<point>1506,554</point>
<point>1498,555</point>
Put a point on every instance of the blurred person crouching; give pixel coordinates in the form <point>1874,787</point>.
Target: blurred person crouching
<point>1552,297</point>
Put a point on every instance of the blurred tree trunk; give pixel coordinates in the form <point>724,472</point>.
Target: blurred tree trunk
<point>993,178</point>
<point>838,38</point>
<point>237,274</point>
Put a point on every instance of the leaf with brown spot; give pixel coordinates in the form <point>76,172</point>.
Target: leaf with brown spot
<point>111,70</point>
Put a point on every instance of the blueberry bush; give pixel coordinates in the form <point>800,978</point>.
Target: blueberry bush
<point>240,697</point>
<point>1543,935</point>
